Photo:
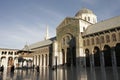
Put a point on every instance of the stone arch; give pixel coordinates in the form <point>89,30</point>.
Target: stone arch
<point>87,54</point>
<point>107,38</point>
<point>96,52</point>
<point>117,51</point>
<point>69,49</point>
<point>114,38</point>
<point>107,56</point>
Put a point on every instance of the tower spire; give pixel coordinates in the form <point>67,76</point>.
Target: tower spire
<point>47,33</point>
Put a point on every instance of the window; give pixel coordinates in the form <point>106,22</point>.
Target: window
<point>88,42</point>
<point>84,43</point>
<point>97,40</point>
<point>67,39</point>
<point>114,37</point>
<point>102,39</point>
<point>92,40</point>
<point>107,38</point>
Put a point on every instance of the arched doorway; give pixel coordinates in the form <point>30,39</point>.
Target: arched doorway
<point>107,56</point>
<point>87,54</point>
<point>117,51</point>
<point>96,56</point>
<point>68,50</point>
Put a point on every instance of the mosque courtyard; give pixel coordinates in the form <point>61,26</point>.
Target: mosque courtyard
<point>62,73</point>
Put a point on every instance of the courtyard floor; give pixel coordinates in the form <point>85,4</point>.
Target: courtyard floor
<point>62,73</point>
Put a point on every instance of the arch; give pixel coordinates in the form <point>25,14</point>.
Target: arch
<point>88,42</point>
<point>87,57</point>
<point>92,41</point>
<point>117,51</point>
<point>107,56</point>
<point>84,43</point>
<point>102,39</point>
<point>97,40</point>
<point>114,37</point>
<point>69,50</point>
<point>96,52</point>
<point>107,38</point>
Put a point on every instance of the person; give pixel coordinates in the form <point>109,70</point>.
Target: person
<point>37,69</point>
<point>2,68</point>
<point>12,68</point>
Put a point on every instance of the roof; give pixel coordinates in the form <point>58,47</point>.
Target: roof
<point>103,25</point>
<point>41,43</point>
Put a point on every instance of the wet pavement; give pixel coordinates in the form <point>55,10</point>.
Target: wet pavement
<point>62,73</point>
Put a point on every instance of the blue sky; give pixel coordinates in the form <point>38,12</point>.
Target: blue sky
<point>24,21</point>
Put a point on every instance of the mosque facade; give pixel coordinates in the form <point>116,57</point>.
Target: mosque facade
<point>77,38</point>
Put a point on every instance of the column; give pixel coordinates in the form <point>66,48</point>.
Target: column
<point>114,64</point>
<point>92,67</point>
<point>102,63</point>
<point>44,61</point>
<point>37,60</point>
<point>40,60</point>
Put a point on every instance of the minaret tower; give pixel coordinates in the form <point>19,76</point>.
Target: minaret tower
<point>47,33</point>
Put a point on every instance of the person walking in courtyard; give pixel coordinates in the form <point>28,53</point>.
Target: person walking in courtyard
<point>12,68</point>
<point>37,69</point>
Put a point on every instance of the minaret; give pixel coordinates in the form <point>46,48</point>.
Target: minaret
<point>47,33</point>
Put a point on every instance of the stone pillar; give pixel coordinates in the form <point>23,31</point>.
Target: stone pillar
<point>102,63</point>
<point>40,60</point>
<point>114,64</point>
<point>92,67</point>
<point>37,59</point>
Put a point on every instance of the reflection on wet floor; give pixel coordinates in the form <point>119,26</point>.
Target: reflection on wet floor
<point>63,73</point>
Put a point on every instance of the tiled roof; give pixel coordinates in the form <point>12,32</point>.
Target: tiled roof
<point>41,43</point>
<point>103,25</point>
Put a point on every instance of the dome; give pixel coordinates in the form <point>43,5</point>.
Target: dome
<point>84,10</point>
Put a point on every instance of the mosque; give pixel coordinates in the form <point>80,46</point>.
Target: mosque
<point>77,39</point>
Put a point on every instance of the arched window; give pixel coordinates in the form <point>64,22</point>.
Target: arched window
<point>97,40</point>
<point>84,44</point>
<point>102,39</point>
<point>114,37</point>
<point>88,42</point>
<point>92,40</point>
<point>107,38</point>
<point>67,39</point>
